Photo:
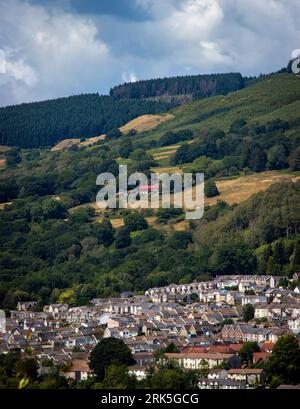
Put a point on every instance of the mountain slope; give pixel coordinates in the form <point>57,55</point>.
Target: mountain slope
<point>272,97</point>
<point>46,123</point>
<point>190,87</point>
<point>54,247</point>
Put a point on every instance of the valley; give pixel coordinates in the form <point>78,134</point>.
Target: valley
<point>247,144</point>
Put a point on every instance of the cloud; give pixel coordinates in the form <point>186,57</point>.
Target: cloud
<point>50,52</point>
<point>222,35</point>
<point>55,50</point>
<point>20,71</point>
<point>129,77</point>
<point>2,62</point>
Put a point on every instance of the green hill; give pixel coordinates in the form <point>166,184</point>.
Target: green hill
<point>256,128</point>
<point>45,123</point>
<point>272,97</point>
<point>55,246</point>
<point>190,87</point>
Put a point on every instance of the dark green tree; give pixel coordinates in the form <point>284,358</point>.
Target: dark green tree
<point>248,312</point>
<point>117,377</point>
<point>211,189</point>
<point>27,368</point>
<point>104,232</point>
<point>114,134</point>
<point>279,253</point>
<point>237,126</point>
<point>294,159</point>
<point>171,348</point>
<point>109,351</point>
<point>174,378</point>
<point>135,221</point>
<point>296,256</point>
<point>258,159</point>
<point>164,215</point>
<point>277,157</point>
<point>123,238</point>
<point>126,147</point>
<point>284,362</point>
<point>180,240</point>
<point>13,157</point>
<point>53,209</point>
<point>283,282</point>
<point>247,351</point>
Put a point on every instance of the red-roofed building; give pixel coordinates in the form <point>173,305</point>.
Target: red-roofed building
<point>236,347</point>
<point>260,357</point>
<point>267,346</point>
<point>195,350</point>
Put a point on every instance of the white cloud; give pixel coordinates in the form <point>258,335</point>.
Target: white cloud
<point>2,62</point>
<point>50,52</point>
<point>21,72</point>
<point>129,77</point>
<point>54,52</point>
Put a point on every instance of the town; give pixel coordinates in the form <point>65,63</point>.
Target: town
<point>207,324</point>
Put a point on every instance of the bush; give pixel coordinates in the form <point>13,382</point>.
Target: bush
<point>135,222</point>
<point>211,189</point>
<point>123,238</point>
<point>164,215</point>
<point>114,134</point>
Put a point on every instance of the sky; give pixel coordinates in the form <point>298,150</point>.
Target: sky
<point>51,48</point>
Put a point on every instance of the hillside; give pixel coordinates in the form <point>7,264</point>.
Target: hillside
<point>46,253</point>
<point>53,243</point>
<point>43,124</point>
<point>240,189</point>
<point>140,124</point>
<point>270,98</point>
<point>65,144</point>
<point>191,87</point>
<point>145,123</point>
<point>46,123</point>
<point>257,128</point>
<point>260,235</point>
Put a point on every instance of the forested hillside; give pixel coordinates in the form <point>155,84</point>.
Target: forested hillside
<point>261,235</point>
<point>254,129</point>
<point>50,256</point>
<point>46,123</point>
<point>55,246</point>
<point>195,86</point>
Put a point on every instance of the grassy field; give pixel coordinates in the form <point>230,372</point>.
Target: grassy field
<point>240,189</point>
<point>140,124</point>
<point>234,190</point>
<point>145,123</point>
<point>65,144</point>
<point>92,141</point>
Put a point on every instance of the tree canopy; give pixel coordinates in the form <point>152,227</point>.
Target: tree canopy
<point>109,351</point>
